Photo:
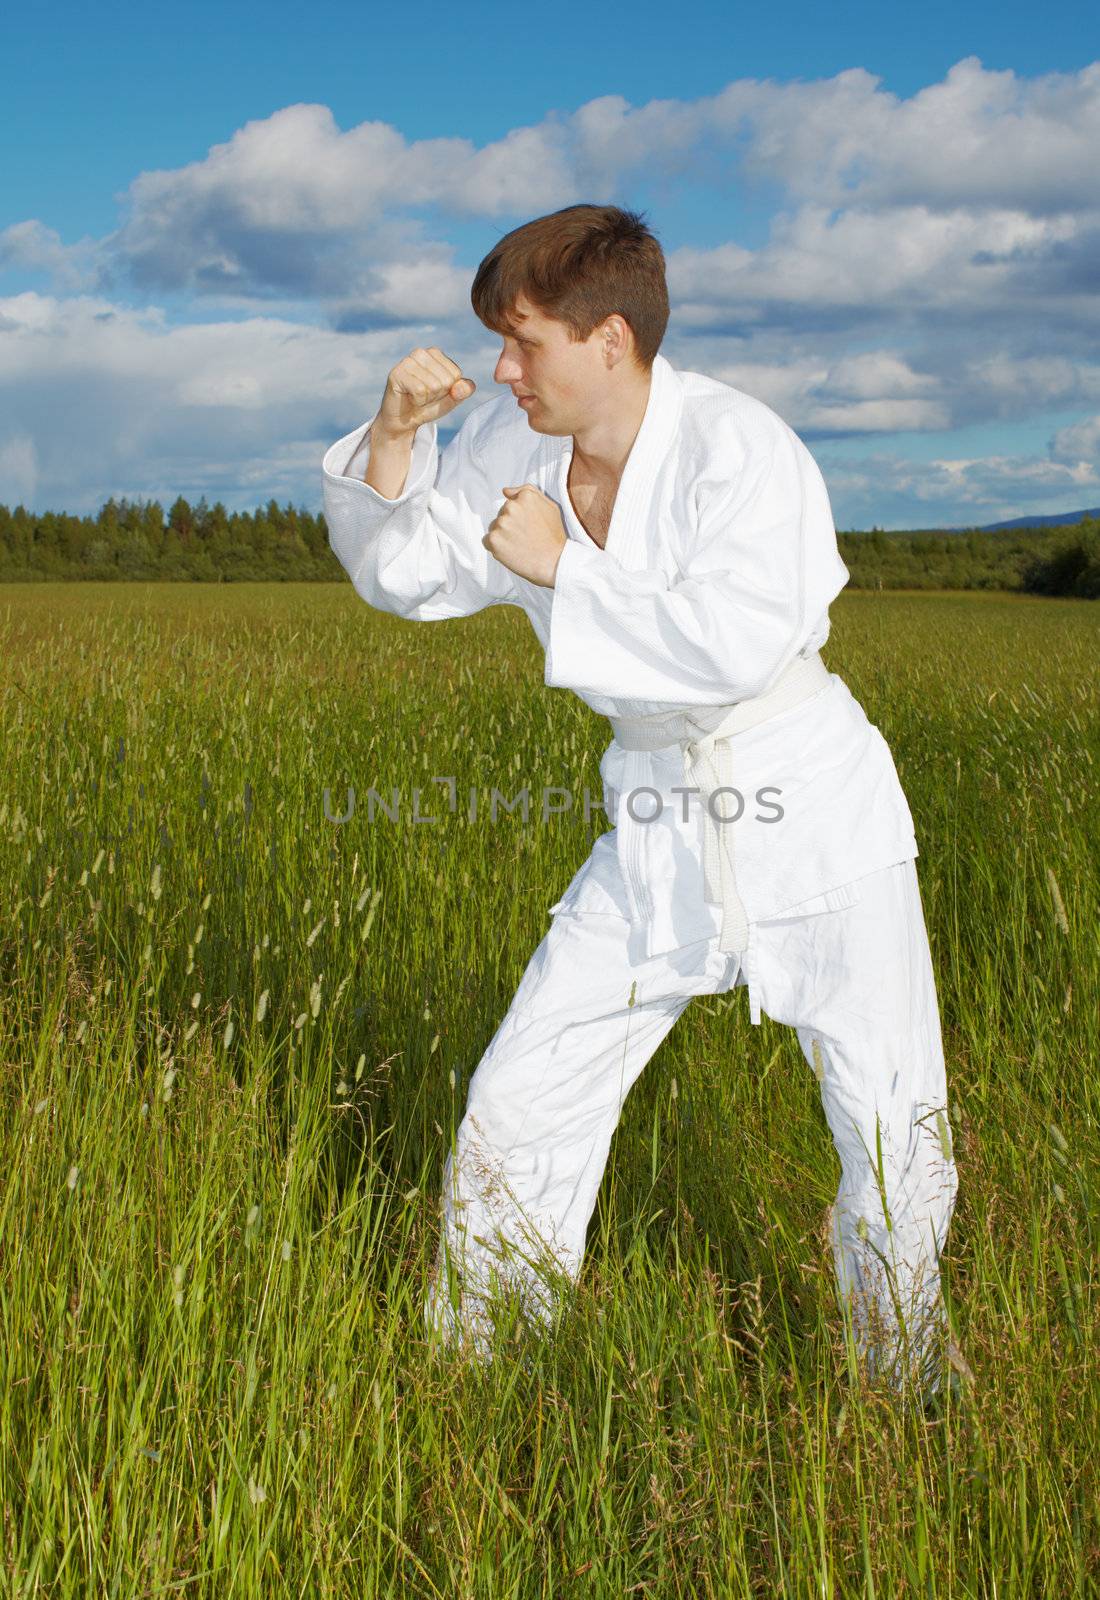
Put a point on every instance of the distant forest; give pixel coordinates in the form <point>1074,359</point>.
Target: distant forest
<point>128,541</point>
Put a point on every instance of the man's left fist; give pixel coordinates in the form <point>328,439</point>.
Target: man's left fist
<point>527,534</point>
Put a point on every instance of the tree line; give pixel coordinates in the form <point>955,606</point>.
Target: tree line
<point>1052,561</point>
<point>128,540</point>
<point>134,539</point>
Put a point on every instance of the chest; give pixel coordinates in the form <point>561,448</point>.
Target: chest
<point>593,500</point>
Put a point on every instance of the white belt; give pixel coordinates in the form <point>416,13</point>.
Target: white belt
<point>703,734</point>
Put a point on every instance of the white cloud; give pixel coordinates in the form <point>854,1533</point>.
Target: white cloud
<point>1014,385</point>
<point>931,263</point>
<point>980,139</point>
<point>944,195</point>
<point>290,202</point>
<point>972,198</point>
<point>1079,445</point>
<point>32,246</point>
<point>98,399</point>
<point>873,391</point>
<point>894,265</point>
<point>954,492</point>
<point>873,373</point>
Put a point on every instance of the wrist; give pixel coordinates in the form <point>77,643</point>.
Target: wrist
<point>557,564</point>
<point>382,438</point>
<point>389,461</point>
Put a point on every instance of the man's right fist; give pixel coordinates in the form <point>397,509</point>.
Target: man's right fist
<point>423,387</point>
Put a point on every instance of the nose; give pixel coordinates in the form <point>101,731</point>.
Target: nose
<point>507,369</point>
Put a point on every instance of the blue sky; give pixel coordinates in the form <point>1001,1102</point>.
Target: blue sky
<point>220,229</point>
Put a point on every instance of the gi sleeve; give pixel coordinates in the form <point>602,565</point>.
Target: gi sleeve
<point>760,567</point>
<point>419,556</point>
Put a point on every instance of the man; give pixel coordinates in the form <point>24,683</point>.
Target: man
<point>671,541</point>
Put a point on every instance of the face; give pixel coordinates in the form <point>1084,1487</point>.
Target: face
<point>560,383</point>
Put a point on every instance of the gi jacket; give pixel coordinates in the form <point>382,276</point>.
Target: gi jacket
<point>720,565</point>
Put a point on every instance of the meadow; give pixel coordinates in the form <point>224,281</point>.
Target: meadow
<point>235,1040</point>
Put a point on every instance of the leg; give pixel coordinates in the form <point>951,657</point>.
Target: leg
<point>861,992</point>
<point>521,1180</point>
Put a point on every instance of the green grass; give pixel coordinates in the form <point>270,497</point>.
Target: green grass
<point>236,1037</point>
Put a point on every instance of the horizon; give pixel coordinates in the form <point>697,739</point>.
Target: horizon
<point>1041,524</point>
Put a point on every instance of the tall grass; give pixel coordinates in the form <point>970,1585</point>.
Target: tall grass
<point>235,1041</point>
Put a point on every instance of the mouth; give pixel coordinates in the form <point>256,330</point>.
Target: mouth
<point>520,398</point>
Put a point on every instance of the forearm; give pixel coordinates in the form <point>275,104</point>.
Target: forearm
<point>390,459</point>
<point>416,552</point>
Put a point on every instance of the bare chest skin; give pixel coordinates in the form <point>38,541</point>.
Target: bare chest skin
<point>593,501</point>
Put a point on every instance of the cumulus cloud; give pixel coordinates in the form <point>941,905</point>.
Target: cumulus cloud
<point>955,492</point>
<point>31,245</point>
<point>907,268</point>
<point>982,139</point>
<point>99,399</point>
<point>874,391</point>
<point>942,196</point>
<point>968,198</point>
<point>1079,444</point>
<point>232,218</point>
<point>930,264</point>
<point>291,203</point>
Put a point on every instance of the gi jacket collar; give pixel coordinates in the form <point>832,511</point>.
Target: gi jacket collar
<point>632,512</point>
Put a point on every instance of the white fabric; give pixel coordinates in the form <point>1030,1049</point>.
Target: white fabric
<point>704,738</point>
<point>855,981</point>
<point>720,564</point>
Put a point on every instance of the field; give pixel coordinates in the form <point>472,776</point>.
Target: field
<point>235,1040</point>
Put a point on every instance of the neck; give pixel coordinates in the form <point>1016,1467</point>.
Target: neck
<point>605,443</point>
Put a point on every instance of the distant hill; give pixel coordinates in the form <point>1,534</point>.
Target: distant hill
<point>1063,519</point>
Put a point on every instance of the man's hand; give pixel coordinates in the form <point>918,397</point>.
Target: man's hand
<point>423,387</point>
<point>527,534</point>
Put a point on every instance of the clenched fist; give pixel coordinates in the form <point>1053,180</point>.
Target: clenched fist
<point>423,387</point>
<point>527,534</point>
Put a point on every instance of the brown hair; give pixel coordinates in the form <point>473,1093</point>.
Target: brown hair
<point>579,265</point>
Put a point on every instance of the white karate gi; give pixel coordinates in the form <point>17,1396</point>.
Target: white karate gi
<point>715,582</point>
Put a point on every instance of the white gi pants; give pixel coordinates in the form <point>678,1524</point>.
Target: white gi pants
<point>521,1179</point>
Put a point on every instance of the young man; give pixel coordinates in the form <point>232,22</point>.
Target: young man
<point>671,541</point>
